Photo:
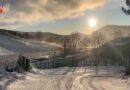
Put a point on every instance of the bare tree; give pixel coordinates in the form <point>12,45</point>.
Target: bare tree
<point>117,34</point>
<point>97,40</point>
<point>84,41</point>
<point>75,39</point>
<point>64,44</point>
<point>39,35</point>
<point>70,42</point>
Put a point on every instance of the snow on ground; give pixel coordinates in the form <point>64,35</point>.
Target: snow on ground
<point>12,45</point>
<point>4,51</point>
<point>71,78</point>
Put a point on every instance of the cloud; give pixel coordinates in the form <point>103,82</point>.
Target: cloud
<point>29,11</point>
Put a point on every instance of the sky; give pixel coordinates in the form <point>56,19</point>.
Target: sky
<point>61,16</point>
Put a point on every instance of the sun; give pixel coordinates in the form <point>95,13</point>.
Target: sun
<point>92,22</point>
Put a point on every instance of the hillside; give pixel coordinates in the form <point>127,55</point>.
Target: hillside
<point>117,41</point>
<point>46,36</point>
<point>113,31</point>
<point>10,43</point>
<point>118,48</point>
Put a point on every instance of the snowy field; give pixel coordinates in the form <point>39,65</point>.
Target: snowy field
<point>68,78</point>
<point>10,45</point>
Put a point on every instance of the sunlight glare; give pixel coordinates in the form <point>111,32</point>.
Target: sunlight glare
<point>92,22</point>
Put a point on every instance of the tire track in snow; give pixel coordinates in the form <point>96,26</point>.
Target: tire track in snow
<point>77,84</point>
<point>69,83</point>
<point>64,83</point>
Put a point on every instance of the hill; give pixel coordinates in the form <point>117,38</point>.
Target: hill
<point>114,31</point>
<point>117,41</point>
<point>117,48</point>
<point>24,42</point>
<point>46,36</point>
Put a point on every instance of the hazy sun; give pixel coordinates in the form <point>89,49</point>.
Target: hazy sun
<point>92,22</point>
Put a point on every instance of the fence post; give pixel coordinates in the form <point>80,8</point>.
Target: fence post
<point>127,66</point>
<point>96,64</point>
<point>40,65</point>
<point>23,64</point>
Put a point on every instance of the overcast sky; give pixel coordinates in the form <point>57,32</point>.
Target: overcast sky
<point>61,16</point>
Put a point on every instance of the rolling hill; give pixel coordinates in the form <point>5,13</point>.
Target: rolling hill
<point>114,31</point>
<point>46,36</point>
<point>12,43</point>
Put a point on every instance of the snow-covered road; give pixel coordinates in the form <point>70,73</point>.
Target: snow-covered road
<point>70,79</point>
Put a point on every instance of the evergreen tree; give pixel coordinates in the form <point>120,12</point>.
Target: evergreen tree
<point>126,10</point>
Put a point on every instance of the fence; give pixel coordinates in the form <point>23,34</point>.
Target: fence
<point>11,59</point>
<point>75,61</point>
<point>58,61</point>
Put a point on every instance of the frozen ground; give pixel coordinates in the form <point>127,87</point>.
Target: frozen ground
<point>9,45</point>
<point>107,78</point>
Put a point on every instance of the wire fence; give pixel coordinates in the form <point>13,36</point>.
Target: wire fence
<point>11,59</point>
<point>75,61</point>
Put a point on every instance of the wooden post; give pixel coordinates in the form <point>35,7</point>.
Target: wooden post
<point>40,65</point>
<point>127,67</point>
<point>96,65</point>
<point>23,64</point>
